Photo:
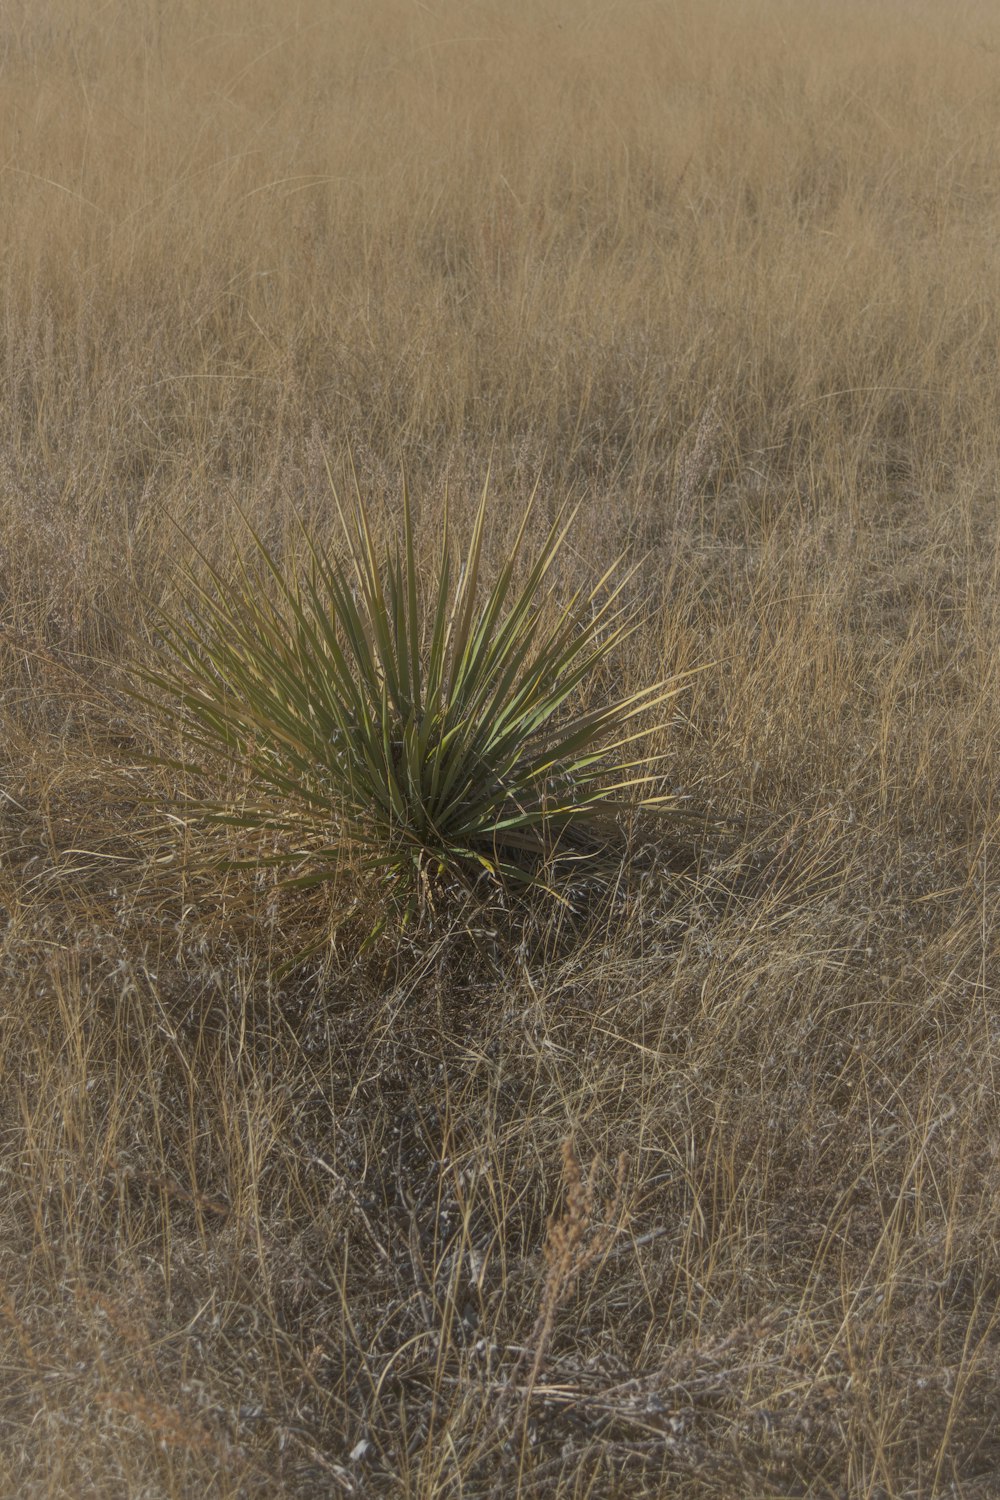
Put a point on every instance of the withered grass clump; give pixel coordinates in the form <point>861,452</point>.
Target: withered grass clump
<point>726,276</point>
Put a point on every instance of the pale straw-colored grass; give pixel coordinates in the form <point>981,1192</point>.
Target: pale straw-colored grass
<point>726,276</point>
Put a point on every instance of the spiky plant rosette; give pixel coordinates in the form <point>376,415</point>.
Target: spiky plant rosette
<point>419,727</point>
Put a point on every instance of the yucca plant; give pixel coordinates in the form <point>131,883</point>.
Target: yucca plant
<point>425,727</point>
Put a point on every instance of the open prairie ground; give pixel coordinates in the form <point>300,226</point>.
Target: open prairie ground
<point>692,1189</point>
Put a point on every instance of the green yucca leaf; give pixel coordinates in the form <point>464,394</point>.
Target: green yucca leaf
<point>423,726</point>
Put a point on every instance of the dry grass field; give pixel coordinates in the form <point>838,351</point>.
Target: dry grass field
<point>694,1190</point>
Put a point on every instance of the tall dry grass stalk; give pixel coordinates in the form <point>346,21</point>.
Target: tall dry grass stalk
<point>724,273</point>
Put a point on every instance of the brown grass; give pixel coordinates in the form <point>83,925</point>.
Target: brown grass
<point>728,274</point>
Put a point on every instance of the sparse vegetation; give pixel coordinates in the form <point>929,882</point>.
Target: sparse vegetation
<point>722,277</point>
